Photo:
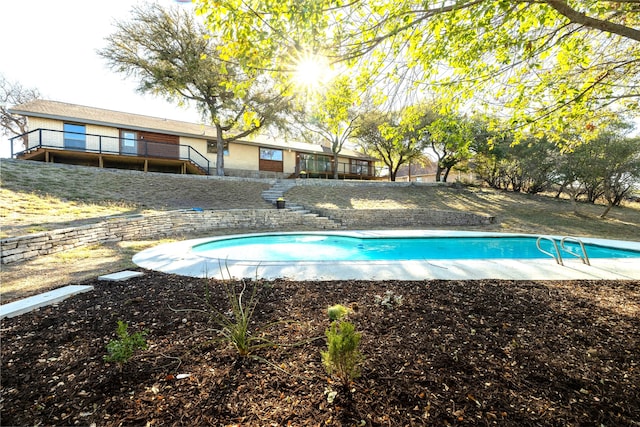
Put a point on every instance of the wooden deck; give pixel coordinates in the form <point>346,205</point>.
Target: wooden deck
<point>115,161</point>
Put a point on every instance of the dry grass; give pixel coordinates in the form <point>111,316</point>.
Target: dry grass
<point>39,196</point>
<point>515,212</point>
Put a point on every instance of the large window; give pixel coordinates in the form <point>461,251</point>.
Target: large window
<point>212,147</point>
<point>311,163</point>
<point>361,167</point>
<point>270,154</point>
<point>75,136</point>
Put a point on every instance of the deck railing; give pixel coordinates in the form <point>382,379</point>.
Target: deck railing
<point>102,144</point>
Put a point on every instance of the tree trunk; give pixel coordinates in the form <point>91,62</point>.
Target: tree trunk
<point>335,165</point>
<point>574,203</point>
<point>446,174</point>
<point>393,172</point>
<point>438,172</point>
<point>606,211</point>
<point>219,151</point>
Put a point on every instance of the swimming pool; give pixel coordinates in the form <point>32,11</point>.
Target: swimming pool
<point>393,254</point>
<point>332,247</point>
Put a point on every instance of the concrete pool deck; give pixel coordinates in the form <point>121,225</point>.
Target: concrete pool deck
<point>178,258</point>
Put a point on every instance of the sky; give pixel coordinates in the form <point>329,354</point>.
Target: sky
<point>50,45</point>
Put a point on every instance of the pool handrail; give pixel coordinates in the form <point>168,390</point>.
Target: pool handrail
<point>557,256</point>
<point>584,257</point>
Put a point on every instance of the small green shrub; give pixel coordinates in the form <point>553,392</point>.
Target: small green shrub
<point>122,349</point>
<point>337,312</point>
<point>233,325</point>
<point>342,357</point>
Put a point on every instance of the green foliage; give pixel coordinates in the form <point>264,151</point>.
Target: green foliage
<point>396,138</point>
<point>450,137</point>
<point>330,115</point>
<point>337,312</point>
<point>528,166</point>
<point>234,323</point>
<point>342,357</point>
<point>173,55</point>
<point>551,66</point>
<point>122,349</point>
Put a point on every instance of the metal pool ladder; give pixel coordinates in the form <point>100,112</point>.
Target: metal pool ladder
<point>583,257</point>
<point>558,255</point>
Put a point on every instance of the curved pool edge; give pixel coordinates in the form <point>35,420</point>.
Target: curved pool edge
<point>178,258</point>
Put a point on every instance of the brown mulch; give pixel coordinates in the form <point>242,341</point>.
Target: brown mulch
<point>488,352</point>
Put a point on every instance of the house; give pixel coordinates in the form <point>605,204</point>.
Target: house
<point>420,171</point>
<point>68,133</point>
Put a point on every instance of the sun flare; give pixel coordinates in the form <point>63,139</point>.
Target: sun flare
<point>312,71</point>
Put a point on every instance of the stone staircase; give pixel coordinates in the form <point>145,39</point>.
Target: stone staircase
<point>309,218</point>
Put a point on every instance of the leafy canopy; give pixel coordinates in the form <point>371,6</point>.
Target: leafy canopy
<point>172,54</point>
<point>548,65</point>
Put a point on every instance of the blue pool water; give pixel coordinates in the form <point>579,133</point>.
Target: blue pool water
<point>318,247</point>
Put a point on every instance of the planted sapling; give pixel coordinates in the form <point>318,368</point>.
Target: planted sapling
<point>121,350</point>
<point>342,357</point>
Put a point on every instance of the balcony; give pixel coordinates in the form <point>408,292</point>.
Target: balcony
<point>108,151</point>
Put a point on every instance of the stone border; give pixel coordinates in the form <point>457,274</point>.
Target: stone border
<point>140,227</point>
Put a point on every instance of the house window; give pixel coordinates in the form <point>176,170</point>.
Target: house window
<point>75,136</point>
<point>212,147</point>
<point>361,167</point>
<point>315,163</point>
<point>270,154</point>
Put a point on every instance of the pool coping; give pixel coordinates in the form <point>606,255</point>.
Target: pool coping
<point>178,258</point>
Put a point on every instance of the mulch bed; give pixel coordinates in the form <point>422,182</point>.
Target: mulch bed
<point>488,352</point>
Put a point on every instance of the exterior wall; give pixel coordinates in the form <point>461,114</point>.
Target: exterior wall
<point>200,145</point>
<point>289,159</point>
<point>242,156</point>
<point>103,130</point>
<point>38,123</point>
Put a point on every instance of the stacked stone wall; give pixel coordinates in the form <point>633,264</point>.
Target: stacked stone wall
<point>394,218</point>
<point>140,227</point>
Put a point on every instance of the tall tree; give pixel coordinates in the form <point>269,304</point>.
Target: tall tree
<point>395,138</point>
<point>173,55</point>
<point>332,115</point>
<point>621,170</point>
<point>551,64</point>
<point>12,94</point>
<point>450,138</point>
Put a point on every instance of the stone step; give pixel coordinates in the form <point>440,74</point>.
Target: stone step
<point>26,305</point>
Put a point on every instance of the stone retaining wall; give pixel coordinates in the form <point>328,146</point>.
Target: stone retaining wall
<point>393,218</point>
<point>139,227</point>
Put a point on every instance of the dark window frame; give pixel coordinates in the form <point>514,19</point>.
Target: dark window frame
<point>74,138</point>
<point>212,147</point>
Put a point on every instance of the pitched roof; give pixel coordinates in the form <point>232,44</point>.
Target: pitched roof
<point>98,116</point>
<point>102,117</point>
